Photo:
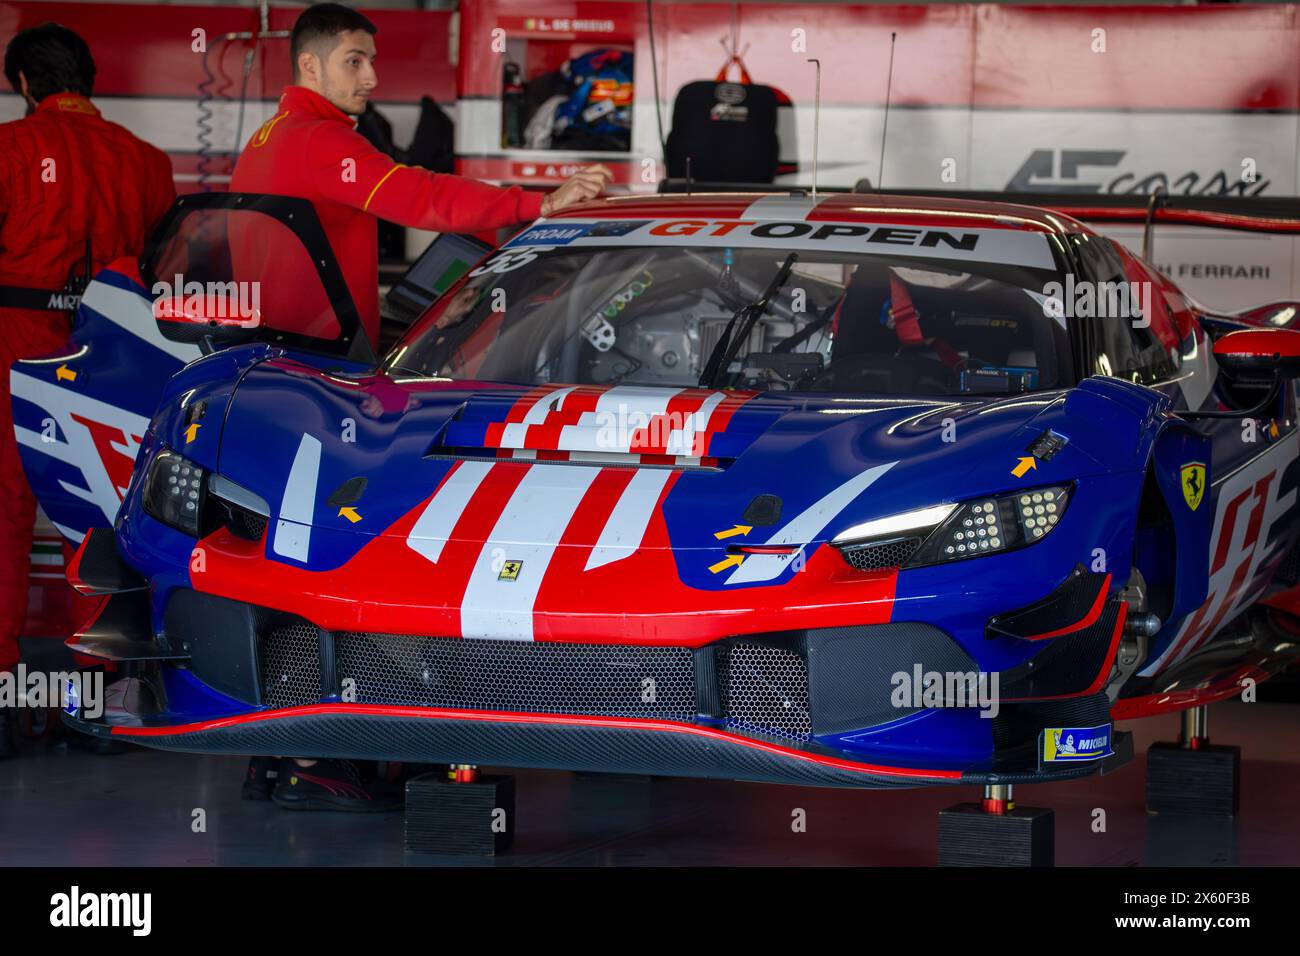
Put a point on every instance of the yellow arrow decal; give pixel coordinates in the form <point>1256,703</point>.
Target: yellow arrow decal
<point>733,531</point>
<point>350,513</point>
<point>730,561</point>
<point>1026,463</point>
<point>192,431</point>
<point>65,374</point>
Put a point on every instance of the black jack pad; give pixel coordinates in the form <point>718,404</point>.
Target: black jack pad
<point>1205,781</point>
<point>463,818</point>
<point>1025,836</point>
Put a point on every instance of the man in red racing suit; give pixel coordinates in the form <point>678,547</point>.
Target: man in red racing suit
<point>311,149</point>
<point>72,186</point>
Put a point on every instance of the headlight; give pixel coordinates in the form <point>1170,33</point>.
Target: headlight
<point>954,532</point>
<point>175,491</point>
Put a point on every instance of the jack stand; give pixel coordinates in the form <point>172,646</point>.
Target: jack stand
<point>1193,775</point>
<point>460,811</point>
<point>995,832</point>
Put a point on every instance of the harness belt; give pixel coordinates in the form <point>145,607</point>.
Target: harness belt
<point>43,300</point>
<point>66,299</point>
<point>907,325</point>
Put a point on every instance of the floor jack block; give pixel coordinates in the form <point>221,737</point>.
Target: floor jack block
<point>1194,776</point>
<point>473,815</point>
<point>1205,780</point>
<point>995,832</point>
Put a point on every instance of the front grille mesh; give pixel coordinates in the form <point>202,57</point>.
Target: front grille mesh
<point>247,524</point>
<point>290,666</point>
<point>519,676</point>
<point>241,522</point>
<point>887,554</point>
<point>764,690</point>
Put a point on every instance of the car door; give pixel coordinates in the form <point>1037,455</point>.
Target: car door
<point>80,414</point>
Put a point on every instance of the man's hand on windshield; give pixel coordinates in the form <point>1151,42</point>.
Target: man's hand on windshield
<point>581,186</point>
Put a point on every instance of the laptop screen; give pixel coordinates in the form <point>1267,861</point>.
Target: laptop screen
<point>448,258</point>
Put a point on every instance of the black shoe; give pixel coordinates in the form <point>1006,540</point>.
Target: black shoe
<point>259,782</point>
<point>8,733</point>
<point>333,785</point>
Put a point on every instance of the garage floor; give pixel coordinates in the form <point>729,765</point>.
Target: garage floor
<point>70,808</point>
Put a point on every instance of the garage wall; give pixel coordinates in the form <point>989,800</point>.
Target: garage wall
<point>1080,98</point>
<point>152,80</point>
<point>1094,98</point>
<point>1087,99</point>
<point>985,96</point>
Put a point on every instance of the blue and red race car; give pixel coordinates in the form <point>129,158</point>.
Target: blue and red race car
<point>839,490</point>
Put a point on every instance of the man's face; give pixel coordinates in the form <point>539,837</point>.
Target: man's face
<point>347,75</point>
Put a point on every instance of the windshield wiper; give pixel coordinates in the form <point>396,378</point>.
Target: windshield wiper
<point>728,345</point>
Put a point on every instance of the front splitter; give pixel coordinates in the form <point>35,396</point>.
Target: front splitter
<point>544,741</point>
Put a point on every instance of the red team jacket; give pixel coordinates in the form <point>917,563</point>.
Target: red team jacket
<point>311,149</point>
<point>67,173</point>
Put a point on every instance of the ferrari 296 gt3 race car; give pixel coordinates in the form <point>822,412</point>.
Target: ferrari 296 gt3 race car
<point>836,490</point>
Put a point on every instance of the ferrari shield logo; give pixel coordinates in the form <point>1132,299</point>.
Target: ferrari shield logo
<point>1193,481</point>
<point>510,571</point>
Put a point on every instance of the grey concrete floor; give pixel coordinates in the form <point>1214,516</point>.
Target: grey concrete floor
<point>69,808</point>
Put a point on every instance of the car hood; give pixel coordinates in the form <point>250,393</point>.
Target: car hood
<point>615,469</point>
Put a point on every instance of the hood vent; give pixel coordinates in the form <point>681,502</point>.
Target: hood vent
<point>600,459</point>
<point>618,426</point>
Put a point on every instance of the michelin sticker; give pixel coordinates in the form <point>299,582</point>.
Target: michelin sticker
<point>1021,247</point>
<point>1068,744</point>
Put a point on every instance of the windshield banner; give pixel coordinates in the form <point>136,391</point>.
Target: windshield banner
<point>1015,247</point>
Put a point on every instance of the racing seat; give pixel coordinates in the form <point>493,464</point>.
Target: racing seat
<point>866,354</point>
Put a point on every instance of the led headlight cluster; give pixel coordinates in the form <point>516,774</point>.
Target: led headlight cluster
<point>1040,510</point>
<point>955,532</point>
<point>980,530</point>
<point>174,492</point>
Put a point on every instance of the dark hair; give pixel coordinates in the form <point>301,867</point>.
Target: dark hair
<point>54,60</point>
<point>324,21</point>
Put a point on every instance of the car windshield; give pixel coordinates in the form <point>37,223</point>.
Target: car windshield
<point>936,313</point>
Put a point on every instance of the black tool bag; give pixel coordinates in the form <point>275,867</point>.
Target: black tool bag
<point>728,130</point>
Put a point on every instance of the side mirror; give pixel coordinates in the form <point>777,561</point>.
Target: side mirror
<point>212,320</point>
<point>1259,353</point>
